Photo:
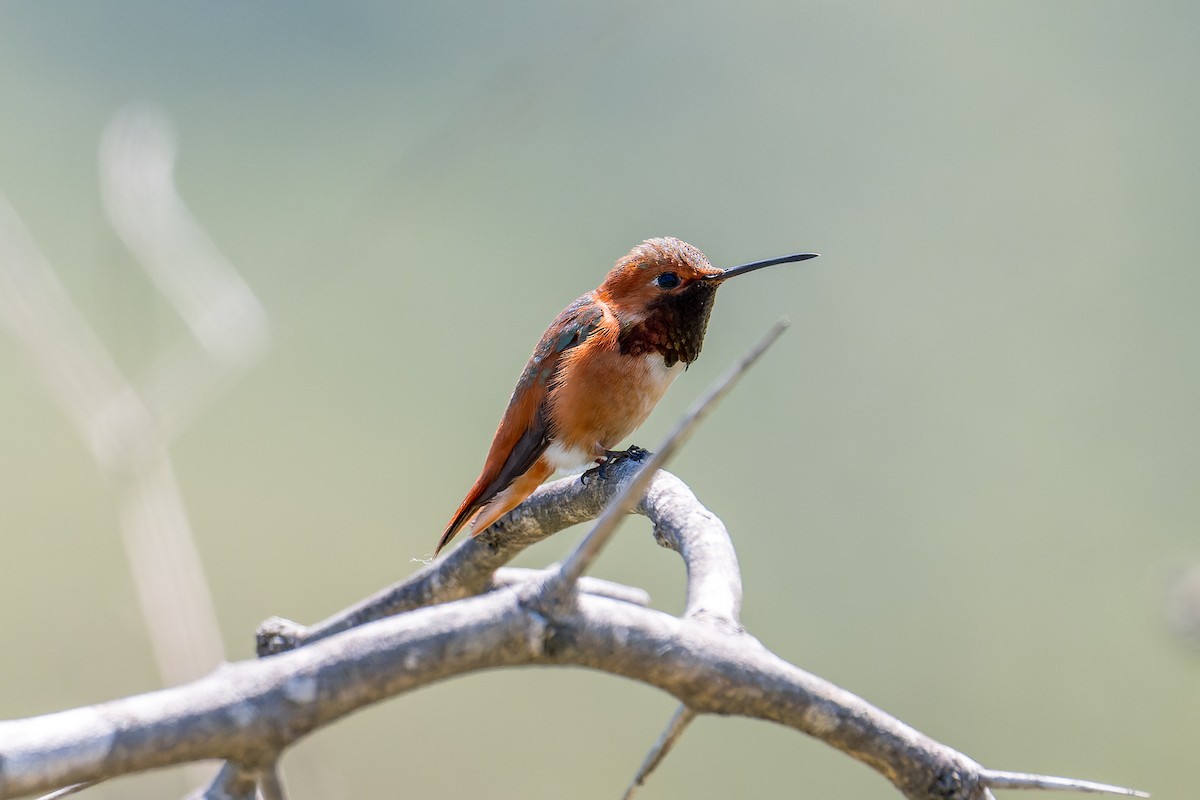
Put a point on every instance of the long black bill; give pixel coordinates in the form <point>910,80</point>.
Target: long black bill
<point>742,269</point>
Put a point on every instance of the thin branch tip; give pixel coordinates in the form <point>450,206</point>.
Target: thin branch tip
<point>270,784</point>
<point>1000,779</point>
<point>679,721</point>
<point>578,561</point>
<point>68,790</point>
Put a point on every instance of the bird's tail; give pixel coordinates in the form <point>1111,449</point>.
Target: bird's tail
<point>467,510</point>
<point>487,511</point>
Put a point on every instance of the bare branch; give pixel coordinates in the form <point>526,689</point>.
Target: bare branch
<point>270,785</point>
<point>714,585</point>
<point>998,779</point>
<point>681,523</point>
<point>511,576</point>
<point>232,782</point>
<point>68,790</point>
<point>714,600</point>
<point>679,721</point>
<point>581,558</point>
<point>249,711</point>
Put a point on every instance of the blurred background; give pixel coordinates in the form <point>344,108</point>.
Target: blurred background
<point>963,486</point>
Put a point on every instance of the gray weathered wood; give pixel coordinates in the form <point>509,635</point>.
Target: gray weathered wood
<point>248,712</point>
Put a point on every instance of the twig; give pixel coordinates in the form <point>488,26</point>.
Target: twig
<point>512,576</point>
<point>679,721</point>
<point>232,782</point>
<point>582,556</point>
<point>247,713</point>
<point>681,523</point>
<point>468,569</point>
<point>250,710</point>
<point>998,779</point>
<point>270,785</point>
<point>68,790</point>
<point>714,585</point>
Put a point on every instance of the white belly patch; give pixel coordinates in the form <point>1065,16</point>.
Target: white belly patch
<point>566,458</point>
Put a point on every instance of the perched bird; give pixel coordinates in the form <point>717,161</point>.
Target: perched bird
<point>598,371</point>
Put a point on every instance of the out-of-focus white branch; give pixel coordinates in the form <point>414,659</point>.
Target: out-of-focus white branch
<point>128,426</point>
<point>228,324</point>
<point>137,163</point>
<point>77,369</point>
<point>123,437</point>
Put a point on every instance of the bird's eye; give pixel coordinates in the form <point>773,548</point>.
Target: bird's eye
<point>667,280</point>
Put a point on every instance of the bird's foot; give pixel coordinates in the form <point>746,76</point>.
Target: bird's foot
<point>632,452</point>
<point>611,458</point>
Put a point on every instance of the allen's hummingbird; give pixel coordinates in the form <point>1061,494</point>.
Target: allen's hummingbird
<point>600,368</point>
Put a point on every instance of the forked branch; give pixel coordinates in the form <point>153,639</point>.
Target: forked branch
<point>459,615</point>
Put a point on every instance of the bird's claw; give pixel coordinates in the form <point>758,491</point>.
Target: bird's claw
<point>611,458</point>
<point>634,452</point>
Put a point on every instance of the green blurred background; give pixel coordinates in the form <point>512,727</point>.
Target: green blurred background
<point>960,486</point>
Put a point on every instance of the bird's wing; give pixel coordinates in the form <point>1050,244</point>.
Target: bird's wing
<point>524,431</point>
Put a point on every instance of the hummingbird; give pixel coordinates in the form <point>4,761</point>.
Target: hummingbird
<point>597,373</point>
